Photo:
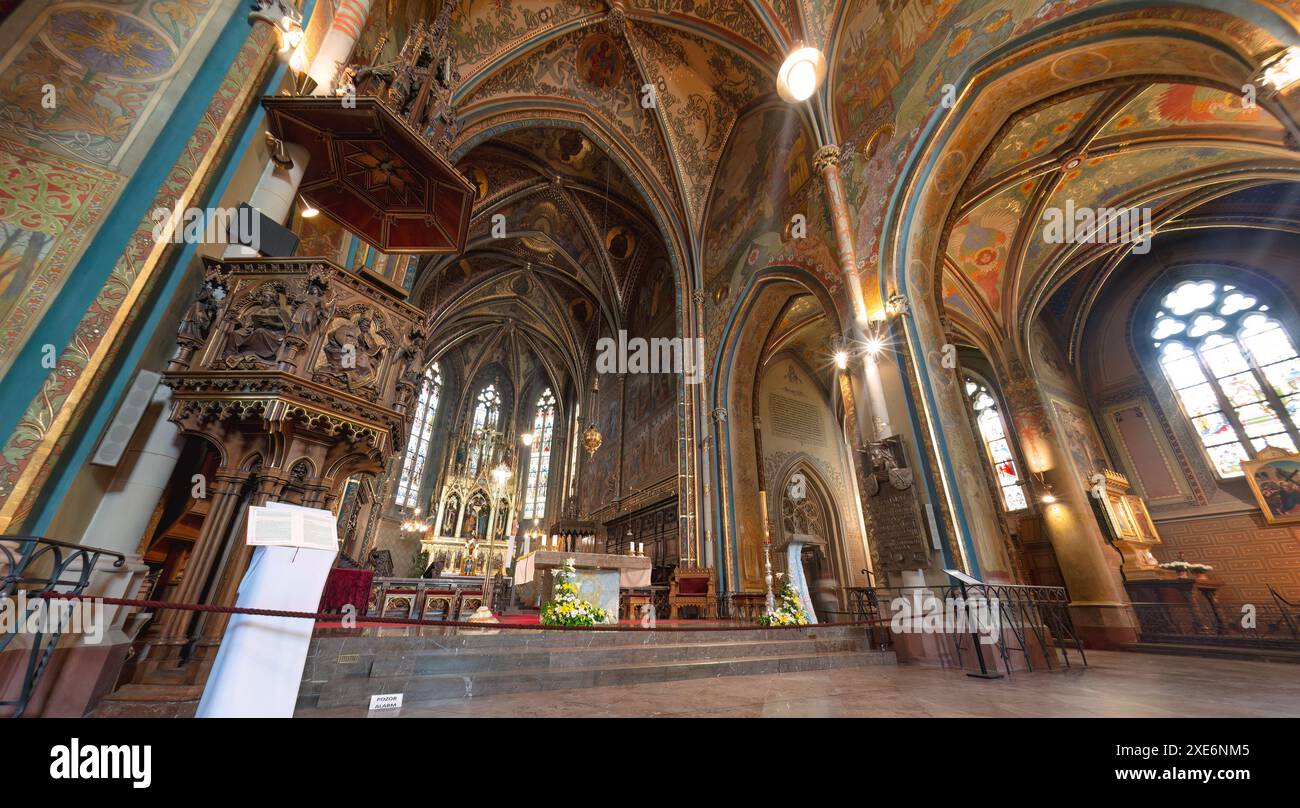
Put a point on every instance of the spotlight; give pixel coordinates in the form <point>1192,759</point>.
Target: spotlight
<point>526,439</point>
<point>841,359</point>
<point>1048,498</point>
<point>1283,70</point>
<point>308,212</point>
<point>800,74</point>
<point>874,346</point>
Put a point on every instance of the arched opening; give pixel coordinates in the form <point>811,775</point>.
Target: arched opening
<point>787,406</point>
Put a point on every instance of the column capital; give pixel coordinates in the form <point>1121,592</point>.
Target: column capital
<point>826,157</point>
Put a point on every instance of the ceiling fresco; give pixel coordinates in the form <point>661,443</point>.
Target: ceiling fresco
<point>1153,144</point>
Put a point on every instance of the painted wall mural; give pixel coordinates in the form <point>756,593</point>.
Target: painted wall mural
<point>79,106</point>
<point>42,432</point>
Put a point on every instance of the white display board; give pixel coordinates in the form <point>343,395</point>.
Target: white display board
<point>259,665</point>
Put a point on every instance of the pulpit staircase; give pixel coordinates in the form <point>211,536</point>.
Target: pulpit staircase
<point>345,668</point>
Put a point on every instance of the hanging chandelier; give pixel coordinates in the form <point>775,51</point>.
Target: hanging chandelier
<point>592,439</point>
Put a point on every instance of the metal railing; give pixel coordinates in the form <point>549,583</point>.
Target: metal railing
<point>1033,623</point>
<point>34,566</point>
<point>1271,624</point>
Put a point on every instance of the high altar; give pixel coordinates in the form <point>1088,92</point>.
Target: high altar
<point>600,576</point>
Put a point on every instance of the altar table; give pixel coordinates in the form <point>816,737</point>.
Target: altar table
<point>599,576</point>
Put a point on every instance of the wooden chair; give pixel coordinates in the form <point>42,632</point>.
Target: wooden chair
<point>692,586</point>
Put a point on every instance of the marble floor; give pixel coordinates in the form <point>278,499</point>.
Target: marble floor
<point>1115,684</point>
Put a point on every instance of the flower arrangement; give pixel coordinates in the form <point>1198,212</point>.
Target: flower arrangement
<point>565,607</point>
<point>788,611</point>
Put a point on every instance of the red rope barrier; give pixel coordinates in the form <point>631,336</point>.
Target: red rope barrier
<point>405,621</point>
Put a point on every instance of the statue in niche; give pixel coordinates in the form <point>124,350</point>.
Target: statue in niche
<point>308,312</point>
<point>198,319</point>
<point>261,328</point>
<point>354,353</point>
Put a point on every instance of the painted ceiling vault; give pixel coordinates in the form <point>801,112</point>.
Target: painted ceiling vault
<point>1170,147</point>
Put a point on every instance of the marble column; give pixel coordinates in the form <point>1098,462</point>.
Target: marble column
<point>277,188</point>
<point>827,163</point>
<point>1098,603</point>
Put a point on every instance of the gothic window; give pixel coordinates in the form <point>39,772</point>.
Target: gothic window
<point>1233,367</point>
<point>997,446</point>
<point>539,462</point>
<point>487,414</point>
<point>417,448</point>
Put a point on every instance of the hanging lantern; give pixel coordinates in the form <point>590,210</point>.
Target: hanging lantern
<point>592,439</point>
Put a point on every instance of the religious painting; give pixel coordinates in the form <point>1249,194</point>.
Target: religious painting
<point>600,61</point>
<point>1274,479</point>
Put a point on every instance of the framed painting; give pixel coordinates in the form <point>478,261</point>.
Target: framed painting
<point>1274,478</point>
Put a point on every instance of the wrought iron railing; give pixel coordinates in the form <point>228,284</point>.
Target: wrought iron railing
<point>33,566</point>
<point>1033,623</point>
<point>1270,624</point>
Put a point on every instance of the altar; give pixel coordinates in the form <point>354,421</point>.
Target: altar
<point>600,576</point>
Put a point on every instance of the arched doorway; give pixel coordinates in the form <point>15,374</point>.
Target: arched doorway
<point>809,519</point>
<point>783,401</point>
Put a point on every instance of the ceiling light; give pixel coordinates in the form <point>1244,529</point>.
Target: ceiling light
<point>1283,70</point>
<point>801,74</point>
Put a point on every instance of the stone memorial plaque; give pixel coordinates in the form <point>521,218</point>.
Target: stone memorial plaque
<point>898,531</point>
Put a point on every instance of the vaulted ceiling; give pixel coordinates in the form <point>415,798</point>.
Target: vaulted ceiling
<point>1173,148</point>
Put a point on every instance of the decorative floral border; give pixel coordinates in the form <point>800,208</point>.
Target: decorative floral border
<point>42,434</point>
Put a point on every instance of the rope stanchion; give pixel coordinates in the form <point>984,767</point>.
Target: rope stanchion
<point>406,621</point>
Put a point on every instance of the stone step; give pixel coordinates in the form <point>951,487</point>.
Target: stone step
<point>356,691</point>
<point>150,701</point>
<point>424,662</point>
<point>335,641</point>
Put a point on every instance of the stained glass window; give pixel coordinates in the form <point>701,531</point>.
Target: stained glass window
<point>539,461</point>
<point>1233,368</point>
<point>997,446</point>
<point>487,414</point>
<point>417,448</point>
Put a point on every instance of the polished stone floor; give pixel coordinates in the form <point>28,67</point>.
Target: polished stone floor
<point>1115,684</point>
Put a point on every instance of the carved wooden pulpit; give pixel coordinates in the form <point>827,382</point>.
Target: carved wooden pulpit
<point>300,374</point>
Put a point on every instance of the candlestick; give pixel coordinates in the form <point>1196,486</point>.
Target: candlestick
<point>767,553</point>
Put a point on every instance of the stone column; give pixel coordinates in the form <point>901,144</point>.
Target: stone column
<point>336,47</point>
<point>142,476</point>
<point>827,164</point>
<point>442,505</point>
<point>1098,603</point>
<point>278,186</point>
<point>460,517</point>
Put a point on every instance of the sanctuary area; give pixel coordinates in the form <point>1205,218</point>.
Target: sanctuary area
<point>632,357</point>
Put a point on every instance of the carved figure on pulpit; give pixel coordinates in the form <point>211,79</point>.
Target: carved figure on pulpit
<point>308,312</point>
<point>198,319</point>
<point>260,330</point>
<point>354,353</point>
